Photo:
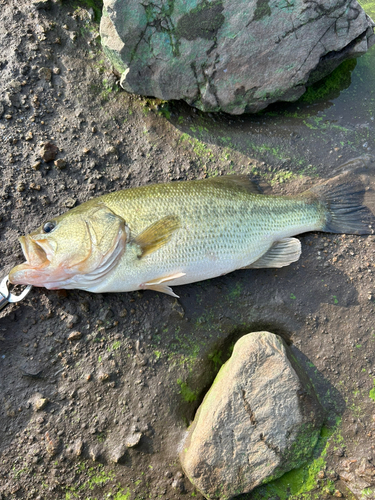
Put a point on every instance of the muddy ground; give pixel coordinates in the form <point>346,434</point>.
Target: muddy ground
<point>97,390</point>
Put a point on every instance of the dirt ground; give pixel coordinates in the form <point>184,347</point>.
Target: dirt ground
<point>97,390</point>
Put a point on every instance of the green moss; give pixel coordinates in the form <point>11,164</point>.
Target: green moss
<point>120,495</point>
<point>295,484</point>
<point>96,477</point>
<point>369,7</point>
<point>331,86</point>
<point>95,5</point>
<point>372,392</point>
<point>187,394</point>
<point>216,358</point>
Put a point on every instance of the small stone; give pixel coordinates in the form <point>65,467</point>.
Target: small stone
<point>123,313</point>
<point>75,336</point>
<point>40,403</point>
<point>36,165</point>
<point>321,474</point>
<point>8,117</point>
<point>86,151</point>
<point>94,453</point>
<point>337,494</point>
<point>118,454</point>
<point>34,186</point>
<point>110,150</point>
<point>20,187</point>
<point>78,447</point>
<point>56,71</point>
<point>60,163</point>
<point>133,439</point>
<point>70,202</point>
<point>179,485</point>
<point>48,151</point>
<point>41,4</point>
<point>103,376</point>
<point>29,136</point>
<point>45,74</point>
<point>94,129</point>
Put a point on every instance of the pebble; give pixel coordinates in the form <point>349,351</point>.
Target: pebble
<point>94,453</point>
<point>48,151</point>
<point>75,336</point>
<point>118,454</point>
<point>110,150</point>
<point>78,447</point>
<point>45,74</point>
<point>103,376</point>
<point>70,202</point>
<point>41,4</point>
<point>133,439</point>
<point>178,483</point>
<point>20,187</point>
<point>60,163</point>
<point>40,404</point>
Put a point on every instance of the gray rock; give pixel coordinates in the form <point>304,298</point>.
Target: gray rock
<point>230,55</point>
<point>259,420</point>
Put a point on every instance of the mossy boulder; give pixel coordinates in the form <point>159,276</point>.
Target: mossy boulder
<point>260,419</point>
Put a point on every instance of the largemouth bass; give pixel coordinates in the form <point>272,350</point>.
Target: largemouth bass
<point>157,236</point>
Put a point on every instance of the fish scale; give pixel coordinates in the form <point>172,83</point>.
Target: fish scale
<point>222,228</point>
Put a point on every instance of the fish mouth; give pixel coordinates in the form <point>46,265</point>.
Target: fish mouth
<point>32,271</point>
<point>33,251</point>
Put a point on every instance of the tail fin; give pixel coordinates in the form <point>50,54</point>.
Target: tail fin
<point>343,200</point>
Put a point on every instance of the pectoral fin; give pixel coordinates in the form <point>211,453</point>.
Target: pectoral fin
<point>157,235</point>
<point>281,254</point>
<point>158,284</point>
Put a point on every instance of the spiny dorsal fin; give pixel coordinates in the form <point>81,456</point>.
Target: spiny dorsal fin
<point>235,181</point>
<point>282,253</point>
<point>157,235</point>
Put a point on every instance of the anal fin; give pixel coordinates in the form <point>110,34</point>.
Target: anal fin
<point>159,284</point>
<point>282,253</point>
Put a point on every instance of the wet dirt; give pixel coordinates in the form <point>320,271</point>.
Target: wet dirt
<point>97,390</point>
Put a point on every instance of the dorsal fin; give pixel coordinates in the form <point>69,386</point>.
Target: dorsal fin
<point>157,235</point>
<point>235,181</point>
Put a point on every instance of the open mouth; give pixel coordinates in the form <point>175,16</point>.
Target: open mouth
<point>33,271</point>
<point>33,251</point>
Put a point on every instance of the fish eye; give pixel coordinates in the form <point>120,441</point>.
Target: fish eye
<point>49,226</point>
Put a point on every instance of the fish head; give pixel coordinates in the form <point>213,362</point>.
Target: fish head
<point>72,250</point>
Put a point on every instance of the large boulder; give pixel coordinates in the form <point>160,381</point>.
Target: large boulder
<point>259,420</point>
<point>230,55</point>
